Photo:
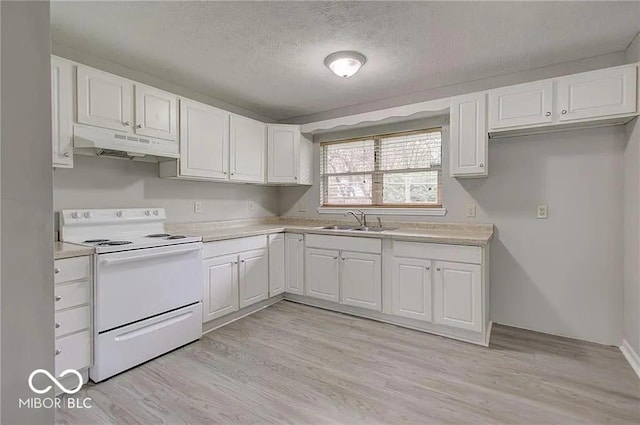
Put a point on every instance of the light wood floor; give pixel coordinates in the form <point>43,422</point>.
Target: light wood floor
<point>301,365</point>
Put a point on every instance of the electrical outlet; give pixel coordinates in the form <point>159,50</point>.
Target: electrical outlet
<point>543,211</point>
<point>252,205</point>
<point>471,210</point>
<point>197,207</point>
<point>302,207</point>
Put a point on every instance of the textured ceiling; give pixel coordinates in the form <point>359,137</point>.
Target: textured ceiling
<point>268,56</point>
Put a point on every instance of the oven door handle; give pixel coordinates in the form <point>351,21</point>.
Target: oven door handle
<point>110,261</point>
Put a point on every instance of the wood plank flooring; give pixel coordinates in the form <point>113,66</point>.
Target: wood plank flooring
<point>293,364</point>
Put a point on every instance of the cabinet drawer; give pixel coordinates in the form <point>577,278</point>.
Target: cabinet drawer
<point>71,295</point>
<point>73,352</point>
<point>73,320</point>
<point>230,246</point>
<point>69,269</point>
<point>345,243</point>
<point>433,251</point>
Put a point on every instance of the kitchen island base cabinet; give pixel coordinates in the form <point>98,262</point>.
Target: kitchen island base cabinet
<point>221,286</point>
<point>458,295</point>
<point>294,263</point>
<point>411,288</point>
<point>361,280</point>
<point>322,274</point>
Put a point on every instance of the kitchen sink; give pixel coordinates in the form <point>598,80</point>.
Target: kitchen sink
<point>373,229</point>
<point>338,227</point>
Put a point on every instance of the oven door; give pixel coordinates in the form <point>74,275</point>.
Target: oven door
<point>134,285</point>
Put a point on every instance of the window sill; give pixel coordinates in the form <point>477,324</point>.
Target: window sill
<point>386,211</point>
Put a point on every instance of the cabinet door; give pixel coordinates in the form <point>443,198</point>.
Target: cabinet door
<point>521,106</point>
<point>204,141</point>
<point>411,288</point>
<point>104,100</point>
<point>458,295</point>
<point>361,280</point>
<point>276,264</point>
<point>597,94</point>
<point>283,153</point>
<point>468,136</point>
<point>220,286</point>
<point>247,149</point>
<point>156,113</point>
<point>62,112</point>
<point>254,278</point>
<point>294,264</point>
<point>322,274</point>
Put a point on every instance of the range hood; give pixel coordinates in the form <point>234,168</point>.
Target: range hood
<point>103,142</point>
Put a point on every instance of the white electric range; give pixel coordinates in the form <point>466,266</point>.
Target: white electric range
<point>147,285</point>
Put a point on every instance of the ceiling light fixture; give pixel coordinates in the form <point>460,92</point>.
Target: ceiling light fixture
<point>346,63</point>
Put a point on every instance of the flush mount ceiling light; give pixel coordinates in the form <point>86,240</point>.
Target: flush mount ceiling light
<point>346,63</point>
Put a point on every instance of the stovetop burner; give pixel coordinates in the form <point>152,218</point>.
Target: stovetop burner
<point>112,243</point>
<point>158,235</point>
<point>96,240</point>
<point>176,237</point>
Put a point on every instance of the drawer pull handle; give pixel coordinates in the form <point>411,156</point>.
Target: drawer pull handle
<point>564,112</point>
<point>438,269</point>
<point>548,114</point>
<point>56,270</point>
<point>58,352</point>
<point>427,268</point>
<point>58,325</point>
<point>58,298</point>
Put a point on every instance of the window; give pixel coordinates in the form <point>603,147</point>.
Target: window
<point>389,170</point>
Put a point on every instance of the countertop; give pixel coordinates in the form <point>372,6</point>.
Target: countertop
<point>69,250</point>
<point>445,233</point>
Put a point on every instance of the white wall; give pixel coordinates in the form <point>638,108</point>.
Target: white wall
<point>113,183</point>
<point>562,275</point>
<point>632,223</point>
<point>27,248</point>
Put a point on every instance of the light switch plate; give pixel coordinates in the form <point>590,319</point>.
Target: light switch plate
<point>471,210</point>
<point>197,207</point>
<point>543,211</point>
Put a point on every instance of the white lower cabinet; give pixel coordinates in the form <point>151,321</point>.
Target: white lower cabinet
<point>72,305</point>
<point>361,280</point>
<point>254,277</point>
<point>220,286</point>
<point>294,263</point>
<point>276,264</point>
<point>411,288</point>
<point>322,274</point>
<point>458,295</point>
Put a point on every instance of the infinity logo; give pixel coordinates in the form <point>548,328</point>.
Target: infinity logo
<point>55,381</point>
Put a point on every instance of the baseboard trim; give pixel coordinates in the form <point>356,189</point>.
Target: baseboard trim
<point>230,318</point>
<point>632,357</point>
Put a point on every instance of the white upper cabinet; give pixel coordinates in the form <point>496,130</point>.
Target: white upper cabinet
<point>62,112</point>
<point>411,292</point>
<point>104,100</point>
<point>156,113</point>
<point>458,295</point>
<point>599,93</point>
<point>204,141</point>
<point>247,145</point>
<point>521,105</point>
<point>276,264</point>
<point>294,263</point>
<point>361,280</point>
<point>283,153</point>
<point>469,139</point>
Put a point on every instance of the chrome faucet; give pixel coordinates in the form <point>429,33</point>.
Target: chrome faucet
<point>362,220</point>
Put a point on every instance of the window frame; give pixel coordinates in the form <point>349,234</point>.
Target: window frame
<point>377,175</point>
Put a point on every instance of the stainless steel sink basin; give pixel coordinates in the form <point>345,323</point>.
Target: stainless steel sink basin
<point>373,229</point>
<point>338,227</point>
